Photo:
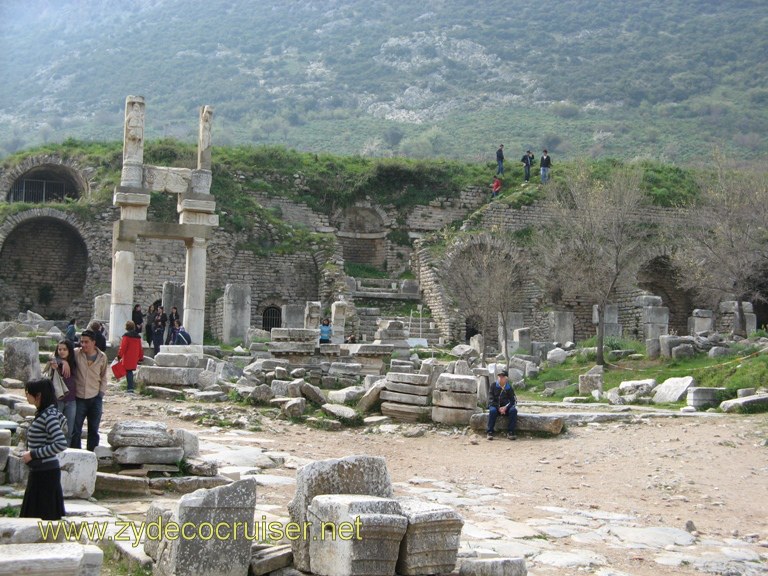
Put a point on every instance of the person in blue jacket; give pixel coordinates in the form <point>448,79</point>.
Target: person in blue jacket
<point>502,400</point>
<point>325,331</point>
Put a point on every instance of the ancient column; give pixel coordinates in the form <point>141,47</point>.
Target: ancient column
<point>121,305</point>
<point>133,143</point>
<point>194,282</point>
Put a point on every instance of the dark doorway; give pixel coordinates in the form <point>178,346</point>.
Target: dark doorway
<point>272,317</point>
<point>472,328</point>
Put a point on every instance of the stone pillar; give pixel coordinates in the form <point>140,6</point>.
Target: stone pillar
<point>338,321</point>
<point>701,321</point>
<point>515,320</point>
<point>133,143</point>
<point>312,313</point>
<point>561,326</point>
<point>655,321</point>
<point>237,312</point>
<point>194,296</point>
<point>611,321</point>
<point>204,138</point>
<point>121,305</point>
<point>292,315</point>
<point>521,338</point>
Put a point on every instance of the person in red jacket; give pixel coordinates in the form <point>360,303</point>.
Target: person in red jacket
<point>131,351</point>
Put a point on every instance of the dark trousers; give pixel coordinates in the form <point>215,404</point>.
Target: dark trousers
<point>527,170</point>
<point>90,408</point>
<point>511,414</point>
<point>129,379</point>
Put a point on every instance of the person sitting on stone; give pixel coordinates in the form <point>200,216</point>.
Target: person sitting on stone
<point>502,400</point>
<point>182,337</point>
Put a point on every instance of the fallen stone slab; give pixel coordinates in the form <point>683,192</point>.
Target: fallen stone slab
<point>344,413</point>
<point>140,433</point>
<point>78,473</point>
<point>448,399</point>
<point>673,390</point>
<point>758,402</point>
<point>269,559</point>
<point>22,531</point>
<point>121,484</point>
<point>407,378</point>
<point>148,455</point>
<point>653,537</point>
<point>406,412</point>
<point>62,559</point>
<point>188,484</point>
<point>164,393</point>
<point>412,399</point>
<point>371,397</point>
<point>452,416</point>
<point>493,567</point>
<point>159,376</point>
<point>417,390</point>
<point>540,423</point>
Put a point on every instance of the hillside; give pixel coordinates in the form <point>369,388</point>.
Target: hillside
<point>666,80</point>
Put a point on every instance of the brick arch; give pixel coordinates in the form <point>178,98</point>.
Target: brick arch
<point>43,263</point>
<point>65,167</point>
<point>362,233</point>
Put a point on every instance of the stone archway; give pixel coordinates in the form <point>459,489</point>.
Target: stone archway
<point>42,179</point>
<point>43,264</point>
<point>659,277</point>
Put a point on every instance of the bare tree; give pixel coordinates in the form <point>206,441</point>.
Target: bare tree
<point>723,250</point>
<point>485,279</point>
<point>595,240</point>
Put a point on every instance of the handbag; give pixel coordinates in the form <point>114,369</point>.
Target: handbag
<point>59,386</point>
<point>118,370</point>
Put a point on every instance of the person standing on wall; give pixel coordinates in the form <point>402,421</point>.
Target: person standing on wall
<point>545,164</point>
<point>527,160</point>
<point>46,437</point>
<point>131,352</point>
<point>500,160</point>
<point>90,388</point>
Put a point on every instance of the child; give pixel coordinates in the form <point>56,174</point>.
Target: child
<point>325,332</point>
<point>496,186</point>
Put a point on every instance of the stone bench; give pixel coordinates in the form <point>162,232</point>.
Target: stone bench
<point>541,423</point>
<point>67,559</point>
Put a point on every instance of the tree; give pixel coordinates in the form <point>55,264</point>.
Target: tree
<point>724,248</point>
<point>485,276</point>
<point>595,240</point>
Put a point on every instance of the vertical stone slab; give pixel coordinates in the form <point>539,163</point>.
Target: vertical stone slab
<point>133,143</point>
<point>521,338</point>
<point>366,475</point>
<point>515,320</point>
<point>611,314</point>
<point>101,306</point>
<point>194,296</point>
<point>237,312</point>
<point>561,326</point>
<point>338,321</point>
<point>222,554</point>
<point>21,359</point>
<point>121,301</point>
<point>312,312</point>
<point>173,295</point>
<point>204,138</point>
<point>292,316</point>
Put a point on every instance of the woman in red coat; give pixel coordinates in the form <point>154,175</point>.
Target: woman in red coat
<point>131,351</point>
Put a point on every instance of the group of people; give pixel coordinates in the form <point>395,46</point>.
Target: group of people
<point>160,328</point>
<point>528,160</point>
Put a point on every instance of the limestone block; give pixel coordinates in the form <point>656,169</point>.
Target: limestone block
<point>414,379</point>
<point>652,348</point>
<point>683,351</point>
<point>291,347</point>
<point>493,567</point>
<point>62,559</point>
<point>412,399</point>
<point>371,397</point>
<point>312,393</point>
<point>647,300</point>
<point>262,394</point>
<point>557,356</point>
<point>406,412</point>
<point>704,397</point>
<point>719,351</point>
<point>22,531</point>
<point>656,315</point>
<point>229,556</point>
<point>731,307</point>
<point>24,410</point>
<point>141,433</point>
<point>165,359</point>
<point>366,475</point>
<point>159,511</point>
<point>118,484</point>
<point>5,452</point>
<point>452,416</point>
<point>294,408</point>
<point>158,376</point>
<point>164,393</point>
<point>543,423</point>
<point>521,341</point>
<point>188,441</point>
<point>291,388</point>
<point>342,369</point>
<point>195,349</point>
<point>456,383</point>
<point>78,473</point>
<point>448,399</point>
<point>655,330</point>
<point>148,455</point>
<point>673,389</point>
<point>431,541</point>
<point>667,343</point>
<point>611,314</point>
<point>294,334</point>
<point>237,312</point>
<point>407,388</point>
<point>346,395</point>
<point>344,413</point>
<point>312,312</point>
<point>463,351</point>
<point>271,559</point>
<point>373,549</point>
<point>755,403</point>
<point>591,381</point>
<point>21,359</point>
<point>18,472</point>
<point>561,326</point>
<point>639,387</point>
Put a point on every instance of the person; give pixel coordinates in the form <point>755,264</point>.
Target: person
<point>131,352</point>
<point>325,331</point>
<point>163,317</point>
<point>71,331</point>
<point>528,159</point>
<point>502,400</point>
<point>149,322</point>
<point>182,337</point>
<point>500,160</point>
<point>44,497</point>
<point>158,331</point>
<point>138,318</point>
<point>496,187</point>
<point>63,362</point>
<point>545,164</point>
<point>98,331</point>
<point>351,339</point>
<point>172,317</point>
<point>90,388</point>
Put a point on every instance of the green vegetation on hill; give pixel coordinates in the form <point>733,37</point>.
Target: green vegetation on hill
<point>594,78</point>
